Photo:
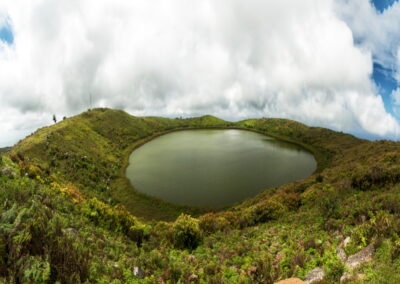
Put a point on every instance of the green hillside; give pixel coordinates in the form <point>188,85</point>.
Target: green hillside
<point>3,150</point>
<point>68,213</point>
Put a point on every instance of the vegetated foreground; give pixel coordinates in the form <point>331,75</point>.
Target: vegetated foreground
<point>68,213</point>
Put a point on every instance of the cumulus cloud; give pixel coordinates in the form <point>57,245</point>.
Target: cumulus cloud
<point>3,20</point>
<point>397,77</point>
<point>231,58</point>
<point>395,96</point>
<point>374,31</point>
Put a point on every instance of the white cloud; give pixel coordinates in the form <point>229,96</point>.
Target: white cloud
<point>231,58</point>
<point>377,32</point>
<point>3,19</point>
<point>397,76</point>
<point>395,96</point>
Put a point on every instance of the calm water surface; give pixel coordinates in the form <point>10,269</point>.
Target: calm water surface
<point>215,167</point>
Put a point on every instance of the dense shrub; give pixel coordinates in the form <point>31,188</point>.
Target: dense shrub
<point>334,269</point>
<point>36,250</point>
<point>267,210</point>
<point>263,272</point>
<point>324,197</point>
<point>319,178</point>
<point>69,259</point>
<point>365,179</point>
<point>260,213</point>
<point>387,266</point>
<point>290,199</point>
<point>35,270</point>
<point>388,201</point>
<point>114,218</point>
<point>186,232</point>
<point>211,223</point>
<point>383,224</point>
<point>380,225</point>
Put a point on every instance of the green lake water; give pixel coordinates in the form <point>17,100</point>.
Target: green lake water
<point>215,167</point>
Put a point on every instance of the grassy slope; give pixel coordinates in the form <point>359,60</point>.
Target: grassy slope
<point>91,151</point>
<point>280,233</point>
<point>5,149</point>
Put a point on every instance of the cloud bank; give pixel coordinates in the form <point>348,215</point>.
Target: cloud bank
<point>374,31</point>
<point>231,58</point>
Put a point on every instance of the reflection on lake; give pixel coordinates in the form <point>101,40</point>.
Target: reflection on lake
<point>215,167</point>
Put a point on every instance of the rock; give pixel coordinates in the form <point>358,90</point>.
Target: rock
<point>191,258</point>
<point>361,257</point>
<point>348,277</point>
<point>314,276</point>
<point>360,277</point>
<point>193,277</point>
<point>336,234</point>
<point>7,172</point>
<point>341,254</point>
<point>71,231</point>
<point>251,270</point>
<point>138,272</point>
<point>346,241</point>
<point>291,281</point>
<point>38,197</point>
<point>278,258</point>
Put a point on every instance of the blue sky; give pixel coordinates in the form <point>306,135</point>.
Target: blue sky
<point>381,5</point>
<point>6,34</point>
<point>386,83</point>
<point>384,77</point>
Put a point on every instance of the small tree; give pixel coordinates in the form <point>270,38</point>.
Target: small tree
<point>54,118</point>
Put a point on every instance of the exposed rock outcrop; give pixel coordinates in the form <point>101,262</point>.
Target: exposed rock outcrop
<point>348,277</point>
<point>361,257</point>
<point>341,254</point>
<point>7,172</point>
<point>291,281</point>
<point>71,231</point>
<point>315,276</point>
<point>346,241</point>
<point>138,272</point>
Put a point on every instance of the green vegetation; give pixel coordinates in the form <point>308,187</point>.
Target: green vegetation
<point>3,150</point>
<point>68,213</point>
<point>186,232</point>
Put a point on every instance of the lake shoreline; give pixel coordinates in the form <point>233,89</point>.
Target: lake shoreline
<point>125,190</point>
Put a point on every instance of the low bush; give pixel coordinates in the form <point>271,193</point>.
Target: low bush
<point>334,269</point>
<point>260,213</point>
<point>186,232</point>
<point>388,201</point>
<point>370,178</point>
<point>383,224</point>
<point>211,223</point>
<point>267,211</point>
<point>387,266</point>
<point>323,196</point>
<point>35,249</point>
<point>114,218</point>
<point>289,199</point>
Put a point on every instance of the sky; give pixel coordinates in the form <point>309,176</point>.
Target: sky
<point>328,63</point>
